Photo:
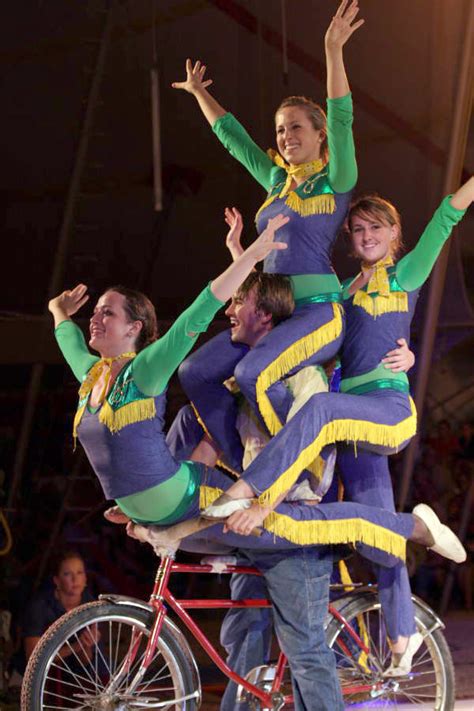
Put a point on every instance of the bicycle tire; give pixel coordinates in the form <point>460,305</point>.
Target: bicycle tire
<point>431,682</point>
<point>171,675</point>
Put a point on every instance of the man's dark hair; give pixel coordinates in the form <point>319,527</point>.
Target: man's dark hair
<point>273,294</point>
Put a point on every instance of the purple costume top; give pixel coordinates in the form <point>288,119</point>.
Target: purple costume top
<point>317,207</point>
<point>124,439</point>
<point>374,322</point>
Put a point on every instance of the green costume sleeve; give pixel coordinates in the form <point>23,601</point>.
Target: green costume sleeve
<point>414,269</point>
<point>73,346</point>
<point>155,364</point>
<point>241,146</point>
<point>342,160</point>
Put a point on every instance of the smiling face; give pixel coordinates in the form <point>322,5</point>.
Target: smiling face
<point>111,331</point>
<point>297,139</point>
<point>247,324</point>
<point>372,239</point>
<point>71,578</point>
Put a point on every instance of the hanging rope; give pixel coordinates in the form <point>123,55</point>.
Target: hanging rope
<point>284,41</point>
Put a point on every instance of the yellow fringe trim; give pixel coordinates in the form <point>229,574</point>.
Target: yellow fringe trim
<point>343,430</point>
<point>316,205</point>
<point>295,354</point>
<point>352,530</point>
<point>77,420</point>
<point>219,462</point>
<point>316,468</point>
<point>207,495</point>
<point>375,306</point>
<point>137,411</point>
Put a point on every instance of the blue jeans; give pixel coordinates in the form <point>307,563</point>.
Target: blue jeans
<point>298,585</point>
<point>246,634</point>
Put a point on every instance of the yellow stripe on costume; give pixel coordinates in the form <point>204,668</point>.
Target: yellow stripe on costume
<point>351,530</point>
<point>295,354</point>
<point>396,302</point>
<point>343,430</point>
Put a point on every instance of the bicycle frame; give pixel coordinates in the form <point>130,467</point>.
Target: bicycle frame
<point>162,597</point>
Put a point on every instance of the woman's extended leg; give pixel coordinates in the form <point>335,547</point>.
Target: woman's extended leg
<point>386,418</point>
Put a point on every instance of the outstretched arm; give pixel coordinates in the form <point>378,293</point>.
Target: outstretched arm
<point>66,304</point>
<point>68,335</point>
<point>464,196</point>
<point>228,130</point>
<point>342,161</point>
<point>155,364</point>
<point>196,85</point>
<point>339,31</point>
<point>415,267</point>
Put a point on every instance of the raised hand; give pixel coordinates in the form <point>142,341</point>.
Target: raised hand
<point>341,27</point>
<point>401,359</point>
<point>195,81</point>
<point>265,243</point>
<point>232,241</point>
<point>70,301</point>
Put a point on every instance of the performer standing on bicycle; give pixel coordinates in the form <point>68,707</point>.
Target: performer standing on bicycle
<point>315,192</point>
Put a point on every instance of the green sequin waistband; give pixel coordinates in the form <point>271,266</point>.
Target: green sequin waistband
<point>306,286</point>
<point>334,297</point>
<point>387,384</point>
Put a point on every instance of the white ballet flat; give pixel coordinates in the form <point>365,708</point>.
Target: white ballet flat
<point>401,663</point>
<point>302,492</point>
<point>446,543</point>
<point>224,506</point>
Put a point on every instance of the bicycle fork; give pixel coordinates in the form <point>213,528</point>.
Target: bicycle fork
<point>161,582</point>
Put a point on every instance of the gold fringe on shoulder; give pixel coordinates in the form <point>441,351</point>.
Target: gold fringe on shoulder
<point>295,354</point>
<point>343,430</point>
<point>315,205</point>
<point>352,530</point>
<point>137,411</point>
<point>397,301</point>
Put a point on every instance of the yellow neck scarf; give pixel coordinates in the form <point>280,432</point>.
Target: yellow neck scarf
<point>104,364</point>
<point>378,282</point>
<point>303,170</point>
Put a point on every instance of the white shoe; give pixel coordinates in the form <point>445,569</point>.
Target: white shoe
<point>224,506</point>
<point>401,663</point>
<point>446,543</point>
<point>302,492</point>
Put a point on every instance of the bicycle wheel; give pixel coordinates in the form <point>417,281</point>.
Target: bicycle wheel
<point>431,681</point>
<point>64,673</point>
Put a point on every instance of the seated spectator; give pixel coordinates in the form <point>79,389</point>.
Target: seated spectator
<point>67,592</point>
